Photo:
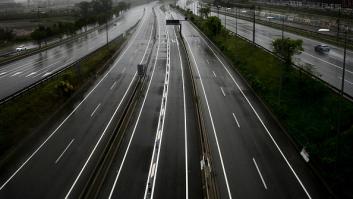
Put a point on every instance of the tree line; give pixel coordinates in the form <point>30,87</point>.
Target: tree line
<point>87,13</point>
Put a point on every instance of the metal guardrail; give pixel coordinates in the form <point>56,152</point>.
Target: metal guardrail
<point>52,45</point>
<point>312,164</point>
<point>329,38</point>
<point>96,179</point>
<point>45,79</point>
<point>210,190</point>
<point>333,88</point>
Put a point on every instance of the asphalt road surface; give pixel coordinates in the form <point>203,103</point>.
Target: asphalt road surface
<point>252,157</point>
<point>328,66</point>
<point>58,164</point>
<point>20,74</point>
<point>159,156</point>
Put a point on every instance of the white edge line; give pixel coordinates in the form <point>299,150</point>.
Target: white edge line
<point>160,126</point>
<point>84,99</point>
<point>211,118</point>
<point>257,115</point>
<point>133,132</point>
<point>105,130</point>
<point>185,122</point>
<point>58,159</point>
<point>258,170</point>
<point>100,138</point>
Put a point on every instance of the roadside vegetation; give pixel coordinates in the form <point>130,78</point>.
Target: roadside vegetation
<point>316,117</point>
<point>89,13</point>
<point>24,115</point>
<point>84,15</point>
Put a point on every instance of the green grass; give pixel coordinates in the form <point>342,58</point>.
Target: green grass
<point>307,109</point>
<point>21,116</point>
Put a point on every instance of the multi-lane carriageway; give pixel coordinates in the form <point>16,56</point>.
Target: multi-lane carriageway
<point>159,156</point>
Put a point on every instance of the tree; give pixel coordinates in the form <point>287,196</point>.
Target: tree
<point>205,12</point>
<point>85,8</point>
<point>102,6</point>
<point>213,26</point>
<point>6,34</point>
<point>286,48</point>
<point>39,34</point>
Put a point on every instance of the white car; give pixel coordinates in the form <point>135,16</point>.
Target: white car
<point>21,48</point>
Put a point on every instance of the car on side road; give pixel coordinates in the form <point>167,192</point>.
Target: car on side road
<point>322,48</point>
<point>21,48</point>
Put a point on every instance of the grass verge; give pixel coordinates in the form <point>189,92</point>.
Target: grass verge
<point>21,116</point>
<point>306,108</point>
<point>328,39</point>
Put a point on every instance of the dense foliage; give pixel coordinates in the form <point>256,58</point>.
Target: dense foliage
<point>93,12</point>
<point>308,110</point>
<point>21,117</point>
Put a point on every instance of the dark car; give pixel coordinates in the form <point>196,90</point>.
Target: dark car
<point>322,48</point>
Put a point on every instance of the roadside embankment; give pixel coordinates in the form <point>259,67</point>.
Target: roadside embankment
<point>313,115</point>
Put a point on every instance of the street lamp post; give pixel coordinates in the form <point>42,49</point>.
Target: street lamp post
<point>225,17</point>
<point>218,11</point>
<point>253,27</point>
<point>236,20</point>
<point>344,59</point>
<point>106,30</point>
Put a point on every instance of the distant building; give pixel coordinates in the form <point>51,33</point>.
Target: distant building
<point>314,3</point>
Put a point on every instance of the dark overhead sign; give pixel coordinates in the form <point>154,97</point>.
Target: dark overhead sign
<point>172,22</point>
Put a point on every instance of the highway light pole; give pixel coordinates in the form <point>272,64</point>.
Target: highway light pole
<point>253,26</point>
<point>344,58</point>
<point>236,20</point>
<point>225,17</point>
<point>106,30</point>
<point>218,11</point>
<point>282,27</point>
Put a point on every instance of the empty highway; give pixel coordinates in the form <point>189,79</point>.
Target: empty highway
<point>327,66</point>
<point>160,153</point>
<point>24,72</point>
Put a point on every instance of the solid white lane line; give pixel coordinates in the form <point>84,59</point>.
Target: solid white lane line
<point>185,123</point>
<point>72,112</point>
<point>113,85</point>
<point>236,120</point>
<point>106,128</point>
<point>100,138</point>
<point>58,159</point>
<point>257,115</point>
<point>160,127</point>
<point>258,170</point>
<point>94,111</point>
<point>137,121</point>
<point>153,169</point>
<point>3,73</point>
<point>211,118</point>
<point>214,74</point>
<point>223,92</point>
